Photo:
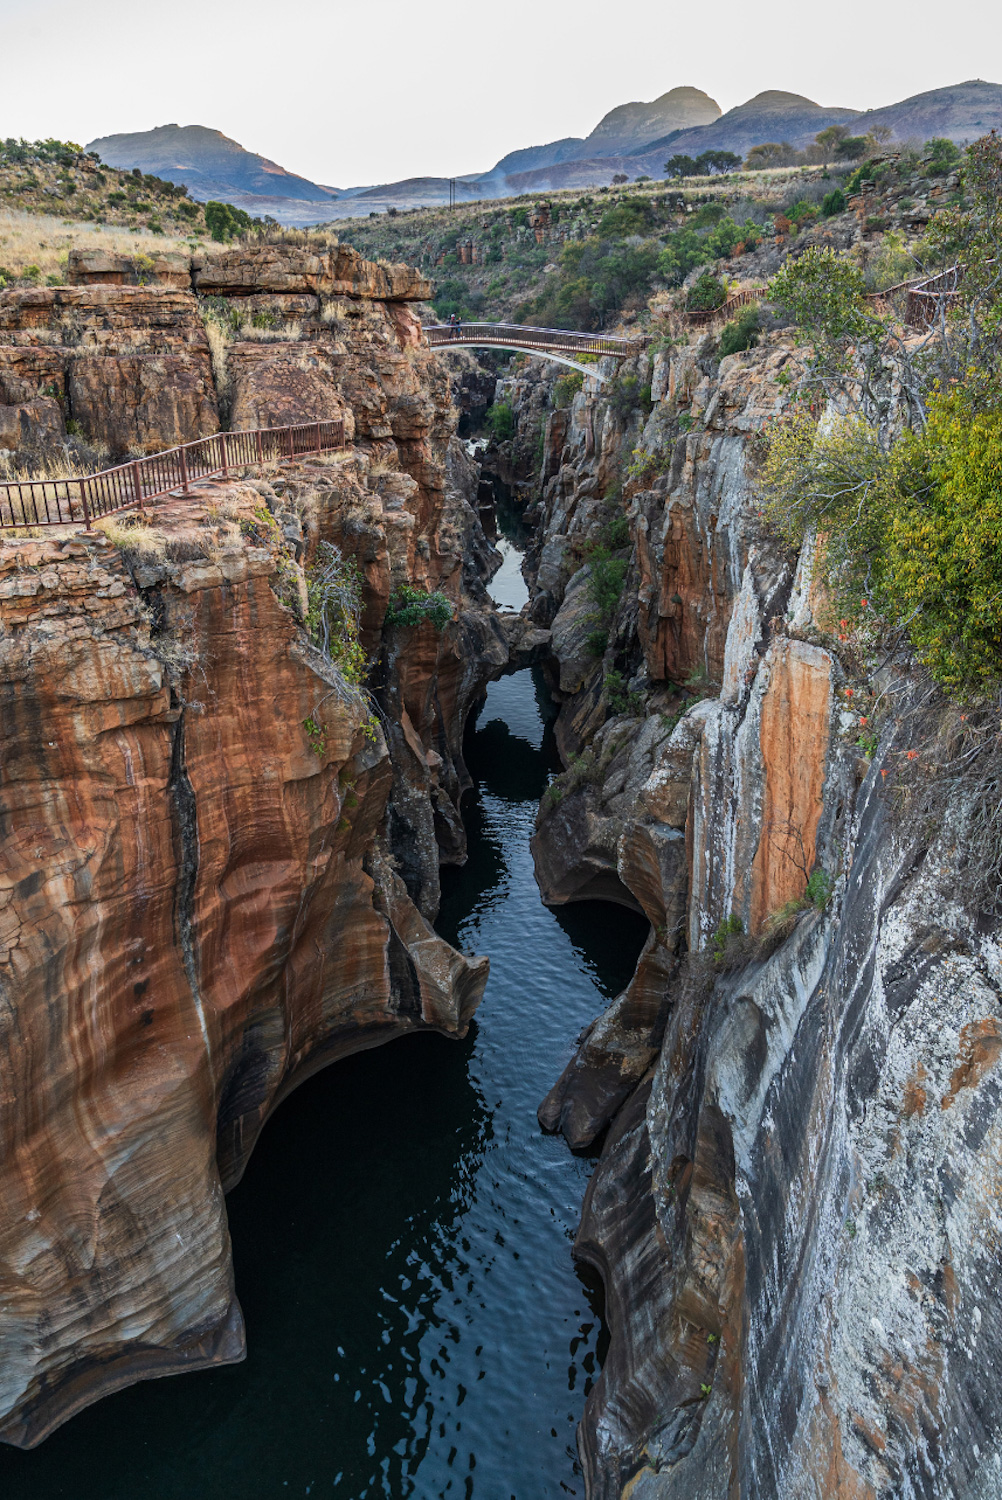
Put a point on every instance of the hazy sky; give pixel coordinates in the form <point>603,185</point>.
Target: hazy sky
<point>353,93</point>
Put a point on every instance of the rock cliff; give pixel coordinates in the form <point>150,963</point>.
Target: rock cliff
<point>212,841</point>
<point>796,1207</point>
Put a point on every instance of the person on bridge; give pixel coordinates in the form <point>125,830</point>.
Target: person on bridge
<point>453,326</point>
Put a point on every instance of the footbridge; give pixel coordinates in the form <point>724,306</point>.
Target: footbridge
<point>551,343</point>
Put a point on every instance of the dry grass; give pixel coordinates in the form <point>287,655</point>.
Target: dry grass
<point>44,242</point>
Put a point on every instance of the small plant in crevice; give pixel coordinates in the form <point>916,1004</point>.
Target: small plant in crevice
<point>730,927</point>
<point>620,698</point>
<point>412,606</point>
<point>317,736</point>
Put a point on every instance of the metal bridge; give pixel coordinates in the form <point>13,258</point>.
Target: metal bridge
<point>551,343</point>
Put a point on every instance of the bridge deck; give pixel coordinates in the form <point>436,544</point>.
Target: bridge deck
<point>518,336</point>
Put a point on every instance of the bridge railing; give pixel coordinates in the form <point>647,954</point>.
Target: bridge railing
<point>509,334</point>
<point>88,497</point>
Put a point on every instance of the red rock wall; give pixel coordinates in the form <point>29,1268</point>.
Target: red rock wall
<point>197,912</point>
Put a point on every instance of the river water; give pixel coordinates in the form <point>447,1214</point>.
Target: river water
<point>415,1324</point>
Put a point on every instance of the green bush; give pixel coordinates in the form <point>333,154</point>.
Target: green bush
<point>631,216</point>
<point>833,203</point>
<point>223,221</point>
<point>411,606</point>
<point>740,333</point>
<point>940,156</point>
<point>567,387</point>
<point>501,421</point>
<point>707,293</point>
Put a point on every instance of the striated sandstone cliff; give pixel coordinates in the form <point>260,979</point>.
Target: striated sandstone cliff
<point>796,1208</point>
<point>208,837</point>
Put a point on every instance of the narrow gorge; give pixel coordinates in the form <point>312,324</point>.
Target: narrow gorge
<point>599,820</point>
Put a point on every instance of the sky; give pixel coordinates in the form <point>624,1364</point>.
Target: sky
<point>349,93</point>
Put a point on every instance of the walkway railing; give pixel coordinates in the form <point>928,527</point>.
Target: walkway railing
<point>515,336</point>
<point>704,317</point>
<point>61,502</point>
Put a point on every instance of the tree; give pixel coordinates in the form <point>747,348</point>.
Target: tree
<point>852,147</point>
<point>772,154</point>
<point>710,162</point>
<point>829,140</point>
<point>619,178</point>
<point>681,166</point>
<point>223,220</point>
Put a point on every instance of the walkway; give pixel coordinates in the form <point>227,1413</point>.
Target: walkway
<point>63,502</point>
<point>552,343</point>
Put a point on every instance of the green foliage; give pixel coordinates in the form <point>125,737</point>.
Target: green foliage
<point>707,293</point>
<point>630,216</point>
<point>940,156</point>
<point>852,147</point>
<point>818,890</point>
<point>596,277</point>
<point>683,252</point>
<point>223,220</point>
<point>740,333</point>
<point>501,421</point>
<point>334,608</point>
<point>728,235</point>
<point>730,927</point>
<point>626,395</point>
<point>681,165</point>
<point>567,387</point>
<point>412,606</point>
<point>912,536</point>
<point>619,698</point>
<point>317,736</point>
<point>833,203</point>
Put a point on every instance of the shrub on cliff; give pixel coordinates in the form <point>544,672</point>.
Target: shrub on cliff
<point>334,611</point>
<point>740,333</point>
<point>501,421</point>
<point>411,606</point>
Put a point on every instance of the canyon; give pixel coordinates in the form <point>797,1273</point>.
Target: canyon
<point>223,863</point>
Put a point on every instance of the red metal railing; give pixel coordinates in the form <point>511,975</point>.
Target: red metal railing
<point>61,502</point>
<point>705,316</point>
<point>515,336</point>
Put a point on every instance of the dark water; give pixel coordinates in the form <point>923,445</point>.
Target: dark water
<point>402,1236</point>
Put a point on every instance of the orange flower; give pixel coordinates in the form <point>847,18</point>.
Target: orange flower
<point>848,692</point>
<point>883,773</point>
<point>913,755</point>
<point>862,603</point>
<point>863,719</point>
<point>843,624</point>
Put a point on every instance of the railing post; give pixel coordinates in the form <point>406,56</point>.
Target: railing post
<point>83,502</point>
<point>318,437</point>
<point>222,444</point>
<point>137,483</point>
<point>184,471</point>
<point>260,450</point>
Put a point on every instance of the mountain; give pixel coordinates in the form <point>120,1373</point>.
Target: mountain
<point>628,125</point>
<point>213,166</point>
<point>771,116</point>
<point>634,139</point>
<point>962,111</point>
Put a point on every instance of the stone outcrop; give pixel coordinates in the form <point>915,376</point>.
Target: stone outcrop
<point>130,365</point>
<point>123,350</point>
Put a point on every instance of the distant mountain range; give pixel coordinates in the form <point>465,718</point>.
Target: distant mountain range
<point>634,139</point>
